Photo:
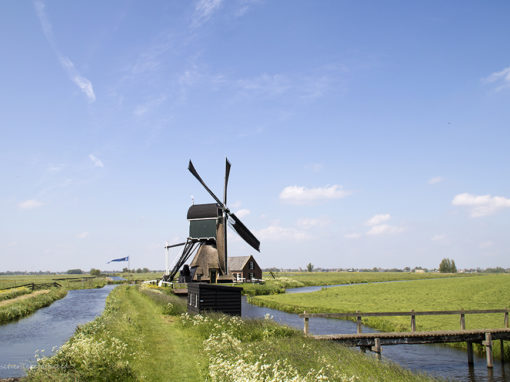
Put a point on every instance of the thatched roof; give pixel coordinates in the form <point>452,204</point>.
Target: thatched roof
<point>237,263</point>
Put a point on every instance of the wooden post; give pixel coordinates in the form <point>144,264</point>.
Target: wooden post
<point>358,324</point>
<point>462,322</point>
<point>488,349</point>
<point>502,350</point>
<point>506,319</point>
<point>306,329</point>
<point>377,349</point>
<point>470,352</point>
<point>413,321</point>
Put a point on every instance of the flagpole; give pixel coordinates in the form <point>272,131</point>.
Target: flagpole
<point>167,272</point>
<point>129,267</point>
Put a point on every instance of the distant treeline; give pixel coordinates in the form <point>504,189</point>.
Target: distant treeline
<point>375,269</point>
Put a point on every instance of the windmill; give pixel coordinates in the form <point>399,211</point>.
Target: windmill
<point>208,238</point>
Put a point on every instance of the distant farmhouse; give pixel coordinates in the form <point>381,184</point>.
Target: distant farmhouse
<point>244,268</point>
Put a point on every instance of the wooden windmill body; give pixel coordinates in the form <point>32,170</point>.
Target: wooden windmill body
<point>208,237</point>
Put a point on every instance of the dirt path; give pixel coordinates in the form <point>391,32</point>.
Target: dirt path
<point>24,297</point>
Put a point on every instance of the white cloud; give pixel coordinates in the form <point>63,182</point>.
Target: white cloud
<point>378,219</point>
<point>83,83</point>
<point>308,223</point>
<point>82,235</point>
<point>435,180</point>
<point>242,213</point>
<point>204,10</point>
<point>502,78</point>
<point>438,237</point>
<point>86,87</point>
<point>30,204</point>
<point>303,195</point>
<point>481,205</point>
<point>96,161</point>
<point>377,228</point>
<point>353,235</point>
<point>384,229</point>
<point>279,233</point>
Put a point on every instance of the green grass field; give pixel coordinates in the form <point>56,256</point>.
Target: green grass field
<point>332,278</point>
<point>137,339</point>
<point>480,292</point>
<point>285,280</point>
<point>84,281</point>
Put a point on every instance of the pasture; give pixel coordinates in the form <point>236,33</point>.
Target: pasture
<point>333,278</point>
<point>480,292</point>
<point>68,281</point>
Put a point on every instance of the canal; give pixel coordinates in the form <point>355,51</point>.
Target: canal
<point>436,360</point>
<point>48,328</point>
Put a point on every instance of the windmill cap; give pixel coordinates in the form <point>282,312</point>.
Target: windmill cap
<point>204,211</point>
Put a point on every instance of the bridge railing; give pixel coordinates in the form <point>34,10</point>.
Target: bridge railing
<point>359,315</point>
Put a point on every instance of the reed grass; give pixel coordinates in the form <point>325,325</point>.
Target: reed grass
<point>13,293</point>
<point>24,307</point>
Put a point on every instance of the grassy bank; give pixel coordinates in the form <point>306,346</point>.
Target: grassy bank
<point>13,293</point>
<point>481,292</point>
<point>24,305</point>
<point>136,339</point>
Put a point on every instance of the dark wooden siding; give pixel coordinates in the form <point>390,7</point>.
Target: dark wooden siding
<point>214,298</point>
<point>257,272</point>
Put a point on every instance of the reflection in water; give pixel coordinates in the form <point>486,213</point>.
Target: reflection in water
<point>47,328</point>
<point>437,360</point>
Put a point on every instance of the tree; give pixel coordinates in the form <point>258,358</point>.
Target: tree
<point>95,272</point>
<point>309,267</point>
<point>447,266</point>
<point>74,272</point>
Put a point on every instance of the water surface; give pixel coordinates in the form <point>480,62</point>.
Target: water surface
<point>47,328</point>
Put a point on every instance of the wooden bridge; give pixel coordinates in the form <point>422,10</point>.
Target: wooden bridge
<point>375,341</point>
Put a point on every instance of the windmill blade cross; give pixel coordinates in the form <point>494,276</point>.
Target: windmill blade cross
<point>191,168</point>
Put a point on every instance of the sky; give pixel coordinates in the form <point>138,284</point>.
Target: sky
<point>361,133</point>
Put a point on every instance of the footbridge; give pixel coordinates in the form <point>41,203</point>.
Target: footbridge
<point>375,341</point>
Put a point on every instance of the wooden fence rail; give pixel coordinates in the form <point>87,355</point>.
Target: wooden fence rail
<point>359,315</point>
<point>34,286</point>
<point>372,341</point>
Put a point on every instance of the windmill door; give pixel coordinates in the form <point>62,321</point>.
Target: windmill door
<point>212,275</point>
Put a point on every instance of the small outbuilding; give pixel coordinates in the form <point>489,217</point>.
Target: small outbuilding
<point>244,268</point>
<point>204,297</point>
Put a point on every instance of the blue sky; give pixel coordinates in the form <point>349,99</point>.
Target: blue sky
<point>361,133</point>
